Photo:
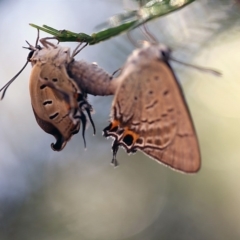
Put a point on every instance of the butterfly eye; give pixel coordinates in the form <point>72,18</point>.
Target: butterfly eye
<point>30,55</point>
<point>165,53</point>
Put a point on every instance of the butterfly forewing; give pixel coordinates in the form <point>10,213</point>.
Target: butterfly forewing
<point>58,79</point>
<point>150,114</point>
<point>51,110</point>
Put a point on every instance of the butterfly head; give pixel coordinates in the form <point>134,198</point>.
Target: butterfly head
<point>150,51</point>
<point>50,51</point>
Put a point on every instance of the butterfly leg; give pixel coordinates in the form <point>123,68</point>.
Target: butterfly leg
<point>84,124</point>
<point>115,148</point>
<point>84,105</point>
<point>91,120</point>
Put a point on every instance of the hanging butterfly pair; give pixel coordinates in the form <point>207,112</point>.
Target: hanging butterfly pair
<point>148,113</point>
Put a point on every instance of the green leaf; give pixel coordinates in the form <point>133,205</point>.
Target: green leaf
<point>119,23</point>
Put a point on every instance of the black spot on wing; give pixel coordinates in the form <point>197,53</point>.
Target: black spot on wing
<point>166,92</point>
<point>157,142</point>
<point>47,102</point>
<point>139,141</point>
<point>53,115</point>
<point>149,141</point>
<point>152,105</point>
<point>154,121</point>
<point>114,129</point>
<point>42,86</point>
<point>128,140</point>
<point>135,123</point>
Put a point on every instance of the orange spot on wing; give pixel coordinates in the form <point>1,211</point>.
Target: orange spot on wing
<point>114,123</point>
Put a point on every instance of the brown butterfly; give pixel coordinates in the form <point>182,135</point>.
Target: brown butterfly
<point>149,112</point>
<point>57,101</point>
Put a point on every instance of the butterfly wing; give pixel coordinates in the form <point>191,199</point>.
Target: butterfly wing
<point>56,77</point>
<point>149,113</point>
<point>51,110</point>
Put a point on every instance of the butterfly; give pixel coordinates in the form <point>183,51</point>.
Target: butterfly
<point>149,112</point>
<point>57,101</point>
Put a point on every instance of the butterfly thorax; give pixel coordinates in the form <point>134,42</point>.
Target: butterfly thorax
<point>54,53</point>
<point>147,54</point>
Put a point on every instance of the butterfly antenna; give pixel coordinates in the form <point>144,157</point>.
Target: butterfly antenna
<point>38,34</point>
<point>91,120</point>
<point>148,34</point>
<point>118,70</point>
<point>130,38</point>
<point>32,49</point>
<point>208,70</point>
<point>5,87</point>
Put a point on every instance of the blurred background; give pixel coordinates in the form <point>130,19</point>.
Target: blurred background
<point>77,194</point>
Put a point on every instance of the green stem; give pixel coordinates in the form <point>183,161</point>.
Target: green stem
<point>151,10</point>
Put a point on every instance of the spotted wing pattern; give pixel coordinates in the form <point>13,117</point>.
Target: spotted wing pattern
<point>149,113</point>
<point>57,101</point>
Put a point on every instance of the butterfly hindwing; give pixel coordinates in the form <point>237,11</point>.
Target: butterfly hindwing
<point>149,113</point>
